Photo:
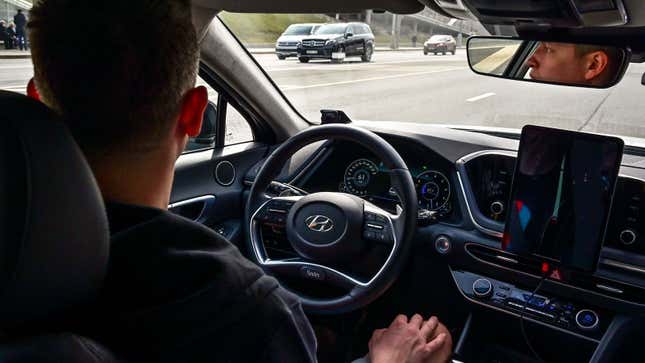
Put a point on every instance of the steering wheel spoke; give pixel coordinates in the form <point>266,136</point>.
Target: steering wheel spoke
<point>300,268</point>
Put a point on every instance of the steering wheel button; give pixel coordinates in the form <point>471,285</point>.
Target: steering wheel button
<point>312,273</point>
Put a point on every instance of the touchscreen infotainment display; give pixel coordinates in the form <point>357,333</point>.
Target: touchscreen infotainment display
<point>561,195</point>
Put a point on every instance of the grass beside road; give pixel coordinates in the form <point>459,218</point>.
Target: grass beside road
<point>265,28</point>
<point>260,30</point>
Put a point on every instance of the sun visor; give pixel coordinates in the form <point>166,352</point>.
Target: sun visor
<point>312,6</point>
<point>555,13</point>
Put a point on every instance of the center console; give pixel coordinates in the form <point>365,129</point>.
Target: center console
<point>576,317</point>
<point>560,265</point>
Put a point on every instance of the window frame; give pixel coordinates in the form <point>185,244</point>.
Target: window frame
<point>226,97</point>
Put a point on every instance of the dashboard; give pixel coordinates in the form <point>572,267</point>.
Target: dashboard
<point>467,184</point>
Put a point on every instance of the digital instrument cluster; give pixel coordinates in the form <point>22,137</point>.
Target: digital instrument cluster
<point>365,178</point>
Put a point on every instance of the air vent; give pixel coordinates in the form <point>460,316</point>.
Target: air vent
<point>505,259</point>
<point>224,173</point>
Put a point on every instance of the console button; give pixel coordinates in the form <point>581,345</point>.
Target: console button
<point>563,322</point>
<point>554,308</point>
<point>627,237</point>
<point>497,207</point>
<point>443,244</point>
<point>482,288</point>
<point>586,319</point>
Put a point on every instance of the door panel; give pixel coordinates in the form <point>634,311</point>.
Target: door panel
<point>196,193</point>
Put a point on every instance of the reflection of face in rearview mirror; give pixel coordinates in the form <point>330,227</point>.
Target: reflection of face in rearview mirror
<point>551,62</point>
<point>573,63</point>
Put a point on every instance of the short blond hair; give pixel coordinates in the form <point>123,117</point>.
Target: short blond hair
<point>118,81</point>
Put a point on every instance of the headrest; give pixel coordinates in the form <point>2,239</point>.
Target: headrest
<point>53,228</point>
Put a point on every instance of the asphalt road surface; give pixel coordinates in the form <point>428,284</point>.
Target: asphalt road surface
<point>408,86</point>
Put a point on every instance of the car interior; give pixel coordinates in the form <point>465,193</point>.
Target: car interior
<point>363,220</point>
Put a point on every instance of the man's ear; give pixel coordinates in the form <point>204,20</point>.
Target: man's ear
<point>192,111</point>
<point>32,91</point>
<point>596,63</point>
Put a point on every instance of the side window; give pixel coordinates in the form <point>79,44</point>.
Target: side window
<point>236,127</point>
<point>366,29</point>
<point>354,30</point>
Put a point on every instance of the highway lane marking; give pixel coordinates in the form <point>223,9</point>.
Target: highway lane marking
<point>372,79</point>
<point>22,90</point>
<point>480,97</point>
<point>17,67</point>
<point>14,87</point>
<point>347,66</point>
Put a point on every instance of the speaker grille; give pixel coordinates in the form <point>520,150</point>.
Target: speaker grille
<point>224,173</point>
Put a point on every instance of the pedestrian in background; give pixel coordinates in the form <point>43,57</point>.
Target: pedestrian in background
<point>21,23</point>
<point>414,40</point>
<point>11,35</point>
<point>3,34</point>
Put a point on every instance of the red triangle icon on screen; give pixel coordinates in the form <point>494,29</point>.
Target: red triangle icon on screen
<point>555,275</point>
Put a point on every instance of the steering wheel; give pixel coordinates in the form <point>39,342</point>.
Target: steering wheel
<point>330,228</point>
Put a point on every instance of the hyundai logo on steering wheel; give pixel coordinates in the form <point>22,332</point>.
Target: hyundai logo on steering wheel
<point>319,223</point>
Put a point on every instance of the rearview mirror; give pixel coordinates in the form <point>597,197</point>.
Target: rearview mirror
<point>348,35</point>
<point>573,64</point>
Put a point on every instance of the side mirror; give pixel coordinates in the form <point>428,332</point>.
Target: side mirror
<point>209,126</point>
<point>348,35</point>
<point>543,61</point>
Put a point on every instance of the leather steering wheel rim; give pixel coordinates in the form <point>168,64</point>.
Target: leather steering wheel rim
<point>403,226</point>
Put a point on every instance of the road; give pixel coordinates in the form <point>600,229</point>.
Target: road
<point>408,86</point>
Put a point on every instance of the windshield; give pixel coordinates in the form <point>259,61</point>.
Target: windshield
<point>384,76</point>
<point>332,29</point>
<point>406,80</point>
<point>298,30</point>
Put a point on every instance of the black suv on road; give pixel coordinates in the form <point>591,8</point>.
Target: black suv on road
<point>337,41</point>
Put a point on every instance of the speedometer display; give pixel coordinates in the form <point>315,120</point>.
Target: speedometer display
<point>433,189</point>
<point>358,176</point>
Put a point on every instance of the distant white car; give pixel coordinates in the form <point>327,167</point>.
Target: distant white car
<point>287,44</point>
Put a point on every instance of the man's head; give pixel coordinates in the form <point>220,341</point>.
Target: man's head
<point>124,84</point>
<point>574,63</point>
<point>19,11</point>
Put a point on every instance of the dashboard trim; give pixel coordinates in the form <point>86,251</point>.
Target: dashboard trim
<point>465,159</point>
<point>622,265</point>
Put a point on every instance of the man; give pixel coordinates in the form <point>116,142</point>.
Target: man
<point>574,64</point>
<point>21,22</point>
<point>3,34</point>
<point>175,290</point>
